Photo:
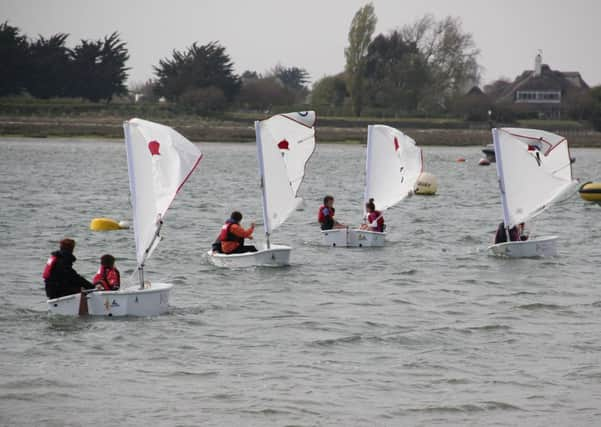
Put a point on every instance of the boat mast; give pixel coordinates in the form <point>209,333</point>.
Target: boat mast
<point>367,170</point>
<point>501,177</point>
<point>262,176</point>
<point>157,235</point>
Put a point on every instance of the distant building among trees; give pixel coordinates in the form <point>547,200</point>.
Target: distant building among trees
<point>548,93</point>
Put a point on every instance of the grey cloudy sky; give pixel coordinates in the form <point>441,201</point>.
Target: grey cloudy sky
<point>312,33</point>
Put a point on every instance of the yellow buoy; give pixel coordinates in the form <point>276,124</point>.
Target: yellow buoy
<point>426,185</point>
<point>104,224</point>
<point>591,192</point>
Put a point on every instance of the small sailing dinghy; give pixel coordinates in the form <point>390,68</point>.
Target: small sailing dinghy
<point>392,168</point>
<point>535,172</point>
<point>285,143</point>
<point>159,161</point>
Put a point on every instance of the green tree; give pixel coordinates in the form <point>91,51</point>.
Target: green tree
<point>596,107</point>
<point>14,62</point>
<point>359,37</point>
<point>497,88</point>
<point>395,73</point>
<point>294,78</point>
<point>98,68</point>
<point>204,100</point>
<point>50,62</point>
<point>250,75</point>
<point>329,92</point>
<point>578,104</point>
<point>451,56</point>
<point>263,93</point>
<point>196,68</point>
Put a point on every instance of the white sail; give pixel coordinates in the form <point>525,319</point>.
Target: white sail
<point>284,145</point>
<point>159,161</point>
<point>534,171</point>
<point>393,166</point>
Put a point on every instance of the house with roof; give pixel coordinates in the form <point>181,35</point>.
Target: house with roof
<point>544,91</point>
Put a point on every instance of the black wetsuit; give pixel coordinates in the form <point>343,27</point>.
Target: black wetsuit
<point>501,235</point>
<point>63,279</point>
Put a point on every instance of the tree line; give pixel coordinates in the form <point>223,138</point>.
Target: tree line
<point>47,68</point>
<point>201,79</point>
<point>424,68</point>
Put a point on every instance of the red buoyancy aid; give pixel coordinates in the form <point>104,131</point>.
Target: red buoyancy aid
<point>226,236</point>
<point>321,215</point>
<point>109,278</point>
<point>376,215</point>
<point>49,267</point>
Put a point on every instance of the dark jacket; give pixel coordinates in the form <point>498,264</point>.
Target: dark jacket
<point>501,235</point>
<point>63,279</point>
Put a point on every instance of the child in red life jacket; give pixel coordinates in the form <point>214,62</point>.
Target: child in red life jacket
<point>374,220</point>
<point>108,277</point>
<point>325,215</point>
<point>232,235</point>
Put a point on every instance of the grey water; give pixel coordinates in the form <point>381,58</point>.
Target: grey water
<point>428,330</point>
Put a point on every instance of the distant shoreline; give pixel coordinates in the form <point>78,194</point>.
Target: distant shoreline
<point>328,130</point>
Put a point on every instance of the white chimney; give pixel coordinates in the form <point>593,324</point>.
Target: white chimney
<point>538,64</point>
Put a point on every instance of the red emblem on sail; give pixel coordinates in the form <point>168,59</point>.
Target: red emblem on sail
<point>396,144</point>
<point>153,147</point>
<point>283,145</point>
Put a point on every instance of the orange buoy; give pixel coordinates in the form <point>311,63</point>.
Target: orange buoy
<point>460,159</point>
<point>484,162</point>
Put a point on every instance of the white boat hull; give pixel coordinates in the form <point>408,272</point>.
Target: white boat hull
<point>531,248</point>
<point>353,238</point>
<point>275,256</point>
<point>132,301</point>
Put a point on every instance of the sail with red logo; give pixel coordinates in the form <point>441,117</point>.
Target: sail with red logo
<point>393,166</point>
<point>285,143</point>
<point>159,161</point>
<point>535,172</point>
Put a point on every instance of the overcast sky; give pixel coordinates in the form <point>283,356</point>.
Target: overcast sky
<point>313,33</point>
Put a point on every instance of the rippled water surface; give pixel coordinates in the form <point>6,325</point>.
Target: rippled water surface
<point>428,330</point>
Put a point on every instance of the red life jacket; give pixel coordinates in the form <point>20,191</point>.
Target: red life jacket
<point>380,223</point>
<point>49,267</point>
<point>226,235</point>
<point>109,278</point>
<point>321,216</point>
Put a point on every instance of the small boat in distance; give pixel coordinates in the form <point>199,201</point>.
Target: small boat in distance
<point>489,152</point>
<point>392,168</point>
<point>535,172</point>
<point>285,143</point>
<point>159,161</point>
